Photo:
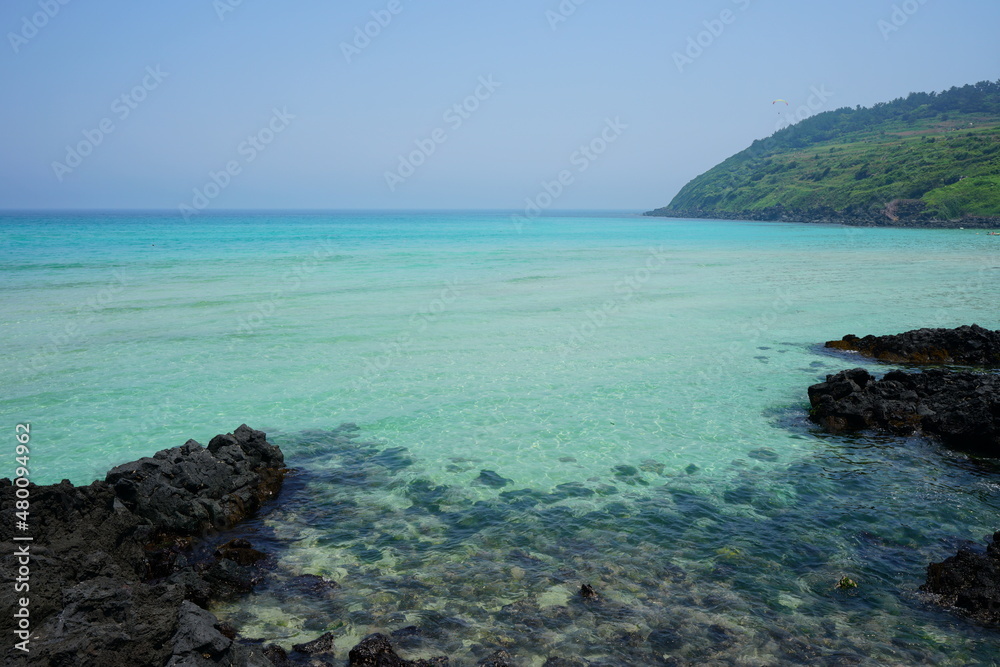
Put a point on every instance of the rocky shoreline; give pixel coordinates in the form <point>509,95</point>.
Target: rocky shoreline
<point>118,579</point>
<point>969,582</point>
<point>858,217</point>
<point>115,579</point>
<point>124,569</point>
<point>960,408</point>
<point>966,345</point>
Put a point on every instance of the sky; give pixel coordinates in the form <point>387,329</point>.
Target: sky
<point>425,104</point>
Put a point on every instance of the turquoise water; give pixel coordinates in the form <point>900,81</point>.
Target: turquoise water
<point>637,385</point>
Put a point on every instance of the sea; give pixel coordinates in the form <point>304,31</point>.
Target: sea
<point>484,413</point>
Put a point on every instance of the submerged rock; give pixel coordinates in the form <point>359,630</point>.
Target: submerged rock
<point>499,658</point>
<point>629,475</point>
<point>376,651</point>
<point>239,551</point>
<point>665,639</point>
<point>764,454</point>
<point>277,655</point>
<point>408,637</point>
<point>408,631</point>
<point>741,495</point>
<point>114,582</point>
<point>972,345</point>
<point>649,465</point>
<point>961,408</point>
<point>492,479</point>
<point>322,645</point>
<point>969,581</point>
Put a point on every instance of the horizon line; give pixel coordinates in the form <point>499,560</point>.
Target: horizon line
<point>173,211</point>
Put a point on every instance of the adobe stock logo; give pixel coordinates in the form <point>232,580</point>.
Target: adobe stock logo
<point>900,16</point>
<point>363,36</point>
<point>37,21</point>
<point>122,107</point>
<point>582,159</point>
<point>249,150</point>
<point>223,7</point>
<point>455,116</point>
<point>817,100</point>
<point>714,28</point>
<point>565,9</point>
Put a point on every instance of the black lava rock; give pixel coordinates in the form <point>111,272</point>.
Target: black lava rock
<point>961,408</point>
<point>239,551</point>
<point>190,489</point>
<point>969,345</point>
<point>376,651</point>
<point>969,581</point>
<point>277,655</point>
<point>228,580</point>
<point>114,586</point>
<point>322,645</point>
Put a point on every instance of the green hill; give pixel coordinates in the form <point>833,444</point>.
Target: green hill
<point>929,159</point>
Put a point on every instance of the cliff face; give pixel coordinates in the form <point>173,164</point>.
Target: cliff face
<point>927,160</point>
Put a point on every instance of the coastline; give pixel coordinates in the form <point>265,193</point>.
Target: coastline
<point>875,218</point>
<point>950,394</point>
<point>110,572</point>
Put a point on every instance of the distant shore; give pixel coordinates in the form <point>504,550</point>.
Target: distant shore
<point>829,216</point>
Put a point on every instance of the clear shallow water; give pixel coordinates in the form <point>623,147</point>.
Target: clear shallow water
<point>640,383</point>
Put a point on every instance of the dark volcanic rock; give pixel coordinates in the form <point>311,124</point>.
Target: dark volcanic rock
<point>497,659</point>
<point>104,617</point>
<point>376,651</point>
<point>277,655</point>
<point>228,580</point>
<point>961,408</point>
<point>970,582</point>
<point>111,581</point>
<point>322,645</point>
<point>970,345</point>
<point>199,641</point>
<point>239,551</point>
<point>190,489</point>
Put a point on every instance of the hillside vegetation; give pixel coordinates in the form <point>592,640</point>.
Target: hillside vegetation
<point>926,159</point>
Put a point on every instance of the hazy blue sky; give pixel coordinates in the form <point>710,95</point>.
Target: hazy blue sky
<point>560,73</point>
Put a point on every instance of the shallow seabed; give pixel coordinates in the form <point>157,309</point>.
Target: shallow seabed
<point>634,388</point>
<point>735,571</point>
